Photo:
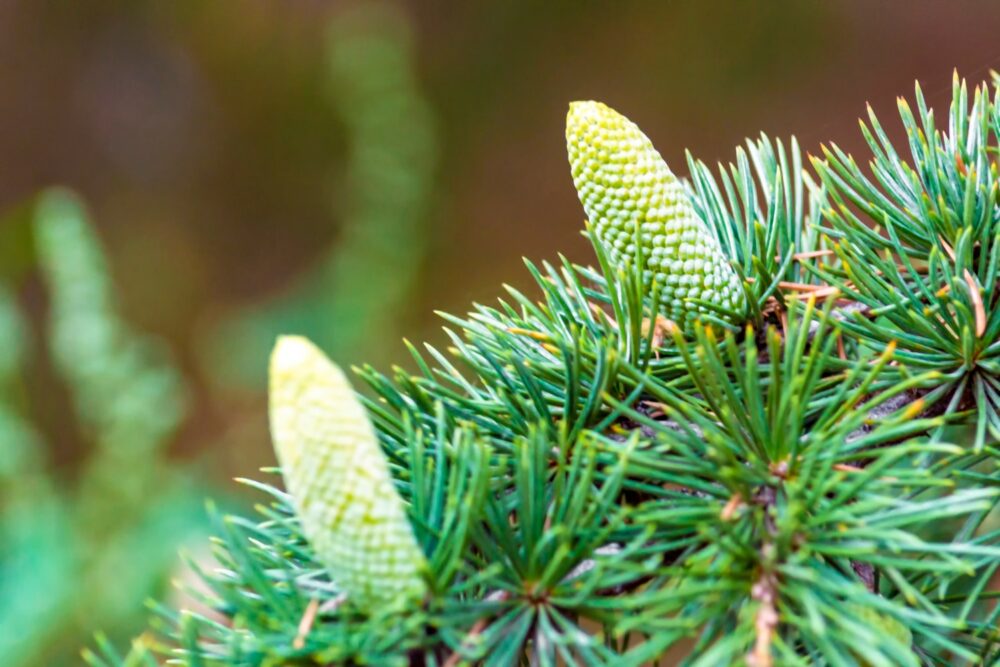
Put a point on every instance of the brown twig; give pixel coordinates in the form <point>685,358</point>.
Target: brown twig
<point>766,622</point>
<point>305,625</point>
<point>735,502</point>
<point>799,256</point>
<point>977,303</point>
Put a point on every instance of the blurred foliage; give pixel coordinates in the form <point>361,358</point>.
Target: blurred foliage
<point>87,536</point>
<point>86,547</point>
<point>354,298</point>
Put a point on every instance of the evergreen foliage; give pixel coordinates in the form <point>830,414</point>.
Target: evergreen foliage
<point>815,482</point>
<point>80,552</point>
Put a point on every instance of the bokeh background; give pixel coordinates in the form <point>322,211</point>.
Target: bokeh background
<point>337,169</point>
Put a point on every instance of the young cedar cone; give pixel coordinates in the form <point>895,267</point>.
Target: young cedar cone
<point>339,479</point>
<point>623,182</point>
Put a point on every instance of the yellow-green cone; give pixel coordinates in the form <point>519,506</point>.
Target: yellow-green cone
<point>623,182</point>
<point>338,478</point>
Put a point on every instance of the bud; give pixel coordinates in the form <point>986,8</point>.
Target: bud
<point>338,478</point>
<point>624,183</point>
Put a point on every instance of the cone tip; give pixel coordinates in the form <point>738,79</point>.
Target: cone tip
<point>581,109</point>
<point>291,351</point>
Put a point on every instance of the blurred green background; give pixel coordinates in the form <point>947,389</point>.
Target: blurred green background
<point>337,169</point>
